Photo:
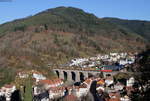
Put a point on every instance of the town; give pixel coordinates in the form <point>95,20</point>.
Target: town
<point>107,77</point>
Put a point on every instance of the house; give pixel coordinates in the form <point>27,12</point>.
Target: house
<point>123,55</point>
<point>125,98</point>
<point>71,97</point>
<point>46,83</point>
<point>123,62</point>
<point>77,61</point>
<point>53,92</point>
<point>88,82</point>
<point>57,92</point>
<point>83,89</point>
<point>100,88</point>
<point>44,96</point>
<point>22,74</point>
<point>109,81</point>
<point>52,86</point>
<point>114,96</point>
<point>38,76</point>
<point>57,82</point>
<point>104,57</point>
<point>7,90</point>
<point>130,82</point>
<point>118,86</point>
<point>38,89</point>
<point>51,83</point>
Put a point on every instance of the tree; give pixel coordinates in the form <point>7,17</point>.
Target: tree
<point>45,26</point>
<point>28,89</point>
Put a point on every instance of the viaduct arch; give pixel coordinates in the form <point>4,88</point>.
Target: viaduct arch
<point>79,75</point>
<point>73,75</point>
<point>57,73</point>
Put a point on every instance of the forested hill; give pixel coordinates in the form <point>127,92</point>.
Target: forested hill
<point>136,26</point>
<point>56,35</point>
<point>69,19</point>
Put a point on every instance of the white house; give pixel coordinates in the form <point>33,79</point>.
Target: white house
<point>118,86</point>
<point>56,92</point>
<point>130,82</point>
<point>38,76</point>
<point>113,54</point>
<point>109,81</point>
<point>81,92</point>
<point>7,90</point>
<point>23,75</point>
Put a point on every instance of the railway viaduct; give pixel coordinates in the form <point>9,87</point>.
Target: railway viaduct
<point>79,75</point>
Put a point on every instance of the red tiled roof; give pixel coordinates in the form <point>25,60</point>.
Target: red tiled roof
<point>36,72</point>
<point>83,86</point>
<point>46,82</point>
<point>88,81</point>
<point>8,86</point>
<point>70,97</point>
<point>50,82</point>
<point>114,99</point>
<point>56,89</point>
<point>117,96</point>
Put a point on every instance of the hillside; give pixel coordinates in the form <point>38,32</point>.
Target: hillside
<point>56,35</point>
<point>142,65</point>
<point>136,26</point>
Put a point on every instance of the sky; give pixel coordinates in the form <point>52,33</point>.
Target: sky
<point>125,9</point>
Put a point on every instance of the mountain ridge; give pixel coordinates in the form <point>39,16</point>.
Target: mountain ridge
<point>64,13</point>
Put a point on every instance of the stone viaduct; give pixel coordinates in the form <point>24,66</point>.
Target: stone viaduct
<point>79,75</point>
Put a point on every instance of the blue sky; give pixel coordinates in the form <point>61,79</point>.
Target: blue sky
<point>126,9</point>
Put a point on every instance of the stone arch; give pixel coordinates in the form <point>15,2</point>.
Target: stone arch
<point>65,76</point>
<point>100,74</point>
<point>73,76</point>
<point>107,75</point>
<point>57,72</point>
<point>81,76</point>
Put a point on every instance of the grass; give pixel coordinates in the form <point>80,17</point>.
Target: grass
<point>28,90</point>
<point>7,75</point>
